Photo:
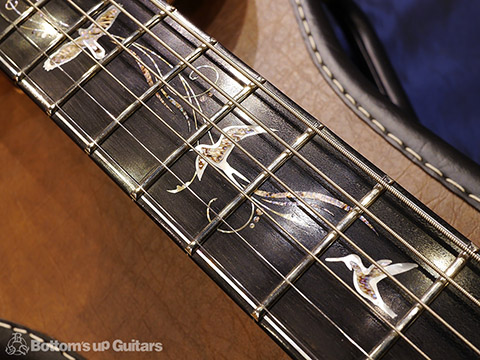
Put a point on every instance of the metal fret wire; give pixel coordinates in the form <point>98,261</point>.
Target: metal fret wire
<point>92,12</point>
<point>324,135</point>
<point>426,260</point>
<point>331,272</point>
<point>4,17</point>
<point>366,255</point>
<point>201,200</point>
<point>343,283</point>
<point>341,234</point>
<point>384,345</point>
<point>265,261</point>
<point>27,14</point>
<point>368,212</point>
<point>295,152</point>
<point>288,234</point>
<point>302,118</point>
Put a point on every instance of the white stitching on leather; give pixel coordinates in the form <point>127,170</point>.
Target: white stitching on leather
<point>434,169</point>
<point>69,357</point>
<point>413,153</point>
<point>350,98</point>
<point>454,183</point>
<point>327,70</point>
<point>380,126</point>
<point>361,109</point>
<point>21,331</point>
<point>475,197</point>
<point>338,85</point>
<point>35,337</point>
<point>396,139</point>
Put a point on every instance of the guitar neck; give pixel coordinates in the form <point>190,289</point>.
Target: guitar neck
<point>290,221</point>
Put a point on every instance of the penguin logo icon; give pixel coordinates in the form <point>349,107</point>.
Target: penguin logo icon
<point>17,345</point>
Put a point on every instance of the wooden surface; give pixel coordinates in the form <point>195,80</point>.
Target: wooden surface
<point>82,263</point>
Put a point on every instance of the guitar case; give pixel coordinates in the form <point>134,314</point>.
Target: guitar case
<point>350,55</point>
<point>370,87</point>
<point>16,341</point>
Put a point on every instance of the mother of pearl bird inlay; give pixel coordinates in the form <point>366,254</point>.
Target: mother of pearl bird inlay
<point>87,39</point>
<point>218,154</point>
<point>365,279</point>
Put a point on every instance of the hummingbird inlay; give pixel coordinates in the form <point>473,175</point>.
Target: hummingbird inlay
<point>365,279</point>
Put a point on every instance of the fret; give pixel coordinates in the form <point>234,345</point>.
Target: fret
<point>399,194</point>
<point>411,294</point>
<point>105,61</point>
<point>144,146</point>
<point>285,256</point>
<point>242,70</point>
<point>239,199</point>
<point>17,48</point>
<point>308,261</point>
<point>435,338</point>
<point>37,34</point>
<point>327,136</point>
<point>130,110</point>
<point>21,19</point>
<point>314,332</point>
<point>76,61</point>
<point>401,233</point>
<point>228,97</point>
<point>95,10</point>
<point>107,104</point>
<point>156,173</point>
<point>428,297</point>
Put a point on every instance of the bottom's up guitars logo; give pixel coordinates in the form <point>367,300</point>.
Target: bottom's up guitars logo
<point>17,345</point>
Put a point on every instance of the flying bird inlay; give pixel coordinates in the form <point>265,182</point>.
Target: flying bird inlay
<point>87,39</point>
<point>218,154</point>
<point>365,279</point>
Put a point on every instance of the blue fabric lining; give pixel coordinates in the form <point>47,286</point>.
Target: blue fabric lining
<point>434,47</point>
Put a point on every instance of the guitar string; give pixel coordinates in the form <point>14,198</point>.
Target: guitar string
<point>204,203</point>
<point>368,305</point>
<point>286,106</point>
<point>427,308</point>
<point>301,117</point>
<point>380,222</point>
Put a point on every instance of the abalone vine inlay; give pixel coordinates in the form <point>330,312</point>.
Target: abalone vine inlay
<point>216,153</point>
<point>146,59</point>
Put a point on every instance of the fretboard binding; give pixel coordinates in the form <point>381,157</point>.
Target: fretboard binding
<point>368,170</point>
<point>469,248</point>
<point>416,310</point>
<point>353,158</point>
<point>181,21</point>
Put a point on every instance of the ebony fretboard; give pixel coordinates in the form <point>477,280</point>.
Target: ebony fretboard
<point>261,195</point>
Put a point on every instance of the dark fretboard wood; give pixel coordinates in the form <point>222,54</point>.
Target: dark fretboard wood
<point>141,111</point>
